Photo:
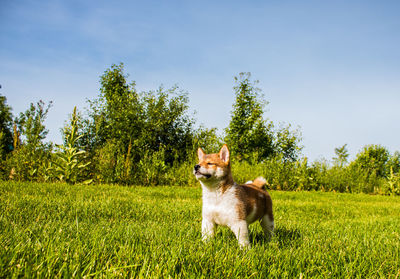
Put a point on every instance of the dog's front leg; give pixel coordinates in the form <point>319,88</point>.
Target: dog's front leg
<point>241,231</point>
<point>207,229</point>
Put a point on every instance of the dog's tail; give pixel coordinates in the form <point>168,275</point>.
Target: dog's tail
<point>259,182</point>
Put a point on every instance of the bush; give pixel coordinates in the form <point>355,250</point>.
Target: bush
<point>109,163</point>
<point>70,162</point>
<point>392,185</point>
<point>149,138</point>
<point>28,160</point>
<point>25,164</point>
<point>152,168</point>
<point>373,159</point>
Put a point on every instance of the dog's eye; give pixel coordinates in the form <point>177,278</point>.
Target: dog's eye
<point>210,164</point>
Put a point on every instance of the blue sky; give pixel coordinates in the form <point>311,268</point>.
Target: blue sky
<point>330,67</point>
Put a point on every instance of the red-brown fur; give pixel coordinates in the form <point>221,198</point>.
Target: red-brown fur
<point>252,195</point>
<point>228,203</point>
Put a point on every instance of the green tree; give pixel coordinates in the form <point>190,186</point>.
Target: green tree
<point>207,139</point>
<point>6,138</point>
<point>342,155</point>
<point>248,134</point>
<point>167,125</point>
<point>115,121</point>
<point>394,162</point>
<point>31,124</point>
<point>125,127</point>
<point>287,143</point>
<point>30,158</point>
<point>122,117</point>
<point>116,113</point>
<point>373,159</point>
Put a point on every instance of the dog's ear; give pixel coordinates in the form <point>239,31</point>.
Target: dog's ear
<point>224,154</point>
<point>200,153</point>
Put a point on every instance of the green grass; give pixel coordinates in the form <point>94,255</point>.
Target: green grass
<point>58,230</point>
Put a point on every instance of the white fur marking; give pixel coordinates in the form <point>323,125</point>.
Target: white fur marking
<point>217,209</point>
<point>219,172</point>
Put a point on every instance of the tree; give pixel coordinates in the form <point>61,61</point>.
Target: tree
<point>394,162</point>
<point>287,143</point>
<point>207,139</point>
<point>342,155</point>
<point>248,134</point>
<point>125,127</point>
<point>116,113</point>
<point>33,153</point>
<point>167,124</point>
<point>6,138</point>
<point>373,159</point>
<point>114,123</point>
<point>31,124</point>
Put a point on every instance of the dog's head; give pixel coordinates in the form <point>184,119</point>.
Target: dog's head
<point>212,167</point>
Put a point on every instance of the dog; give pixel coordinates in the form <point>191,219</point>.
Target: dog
<point>227,203</point>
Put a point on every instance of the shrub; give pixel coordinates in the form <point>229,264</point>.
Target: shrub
<point>6,139</point>
<point>109,163</point>
<point>69,161</point>
<point>373,159</point>
<point>28,159</point>
<point>392,187</point>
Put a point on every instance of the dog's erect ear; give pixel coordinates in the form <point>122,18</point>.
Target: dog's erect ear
<point>224,154</point>
<point>200,153</point>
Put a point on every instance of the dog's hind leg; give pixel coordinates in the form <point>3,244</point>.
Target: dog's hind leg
<point>267,224</point>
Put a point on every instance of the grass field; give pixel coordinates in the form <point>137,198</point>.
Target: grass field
<point>58,230</point>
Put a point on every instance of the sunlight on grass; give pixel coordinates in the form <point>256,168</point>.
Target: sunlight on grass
<point>59,230</point>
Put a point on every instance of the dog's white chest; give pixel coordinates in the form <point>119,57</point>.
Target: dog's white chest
<point>220,208</point>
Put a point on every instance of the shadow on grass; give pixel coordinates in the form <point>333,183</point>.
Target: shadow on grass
<point>285,237</point>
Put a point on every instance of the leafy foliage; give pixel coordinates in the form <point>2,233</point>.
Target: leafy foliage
<point>249,135</point>
<point>152,168</point>
<point>69,160</point>
<point>6,139</point>
<point>167,124</point>
<point>208,139</point>
<point>126,128</point>
<point>287,143</point>
<point>115,114</point>
<point>31,124</point>
<point>27,161</point>
<point>110,164</point>
<point>342,155</point>
<point>393,183</point>
<point>149,138</point>
<point>373,159</point>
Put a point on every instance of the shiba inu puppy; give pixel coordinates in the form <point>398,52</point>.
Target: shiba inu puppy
<point>227,203</point>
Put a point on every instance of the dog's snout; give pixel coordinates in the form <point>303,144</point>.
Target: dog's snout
<point>196,167</point>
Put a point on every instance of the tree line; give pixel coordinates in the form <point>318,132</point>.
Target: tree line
<point>150,138</point>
